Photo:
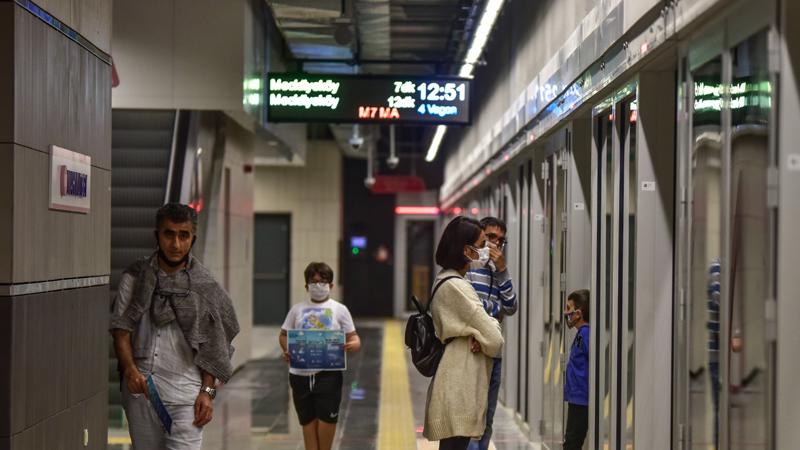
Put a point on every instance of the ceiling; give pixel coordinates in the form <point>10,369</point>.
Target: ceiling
<point>410,37</point>
<point>376,36</point>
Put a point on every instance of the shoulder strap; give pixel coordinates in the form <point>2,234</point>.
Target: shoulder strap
<point>436,288</point>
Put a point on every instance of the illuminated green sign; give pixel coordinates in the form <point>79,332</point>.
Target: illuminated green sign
<point>367,98</point>
<point>743,94</point>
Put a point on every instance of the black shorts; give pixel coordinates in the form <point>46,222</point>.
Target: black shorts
<point>317,396</point>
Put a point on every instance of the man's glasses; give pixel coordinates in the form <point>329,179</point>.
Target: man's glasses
<point>174,291</point>
<point>500,242</point>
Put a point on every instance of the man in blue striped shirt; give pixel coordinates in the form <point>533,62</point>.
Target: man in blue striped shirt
<point>491,281</point>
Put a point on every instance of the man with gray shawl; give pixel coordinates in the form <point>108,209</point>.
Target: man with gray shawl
<point>172,325</point>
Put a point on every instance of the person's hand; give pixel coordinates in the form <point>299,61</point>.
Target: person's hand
<point>474,345</point>
<point>350,346</point>
<point>736,344</point>
<point>137,383</point>
<point>286,357</point>
<point>497,257</point>
<point>203,410</point>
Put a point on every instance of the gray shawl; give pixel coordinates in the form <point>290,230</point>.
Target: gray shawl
<point>206,316</point>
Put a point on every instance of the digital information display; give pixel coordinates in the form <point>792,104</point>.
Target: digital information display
<point>368,98</point>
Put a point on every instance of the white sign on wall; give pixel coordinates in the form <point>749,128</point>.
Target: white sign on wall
<point>70,180</point>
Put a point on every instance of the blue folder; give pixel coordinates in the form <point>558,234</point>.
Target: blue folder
<point>158,405</point>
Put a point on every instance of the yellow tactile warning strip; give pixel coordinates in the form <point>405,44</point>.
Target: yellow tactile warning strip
<point>119,440</point>
<point>396,419</point>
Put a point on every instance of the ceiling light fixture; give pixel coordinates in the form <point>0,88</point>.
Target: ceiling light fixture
<point>435,143</point>
<point>479,40</point>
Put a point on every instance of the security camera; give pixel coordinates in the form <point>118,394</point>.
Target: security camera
<point>392,162</point>
<point>356,142</point>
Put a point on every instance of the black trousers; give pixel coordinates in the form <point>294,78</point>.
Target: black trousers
<point>577,424</point>
<point>454,443</point>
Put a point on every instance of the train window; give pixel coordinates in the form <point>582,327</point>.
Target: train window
<point>705,254</point>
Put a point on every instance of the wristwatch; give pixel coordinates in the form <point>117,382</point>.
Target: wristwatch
<point>210,391</point>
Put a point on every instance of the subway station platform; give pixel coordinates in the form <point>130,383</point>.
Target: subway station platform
<point>383,402</point>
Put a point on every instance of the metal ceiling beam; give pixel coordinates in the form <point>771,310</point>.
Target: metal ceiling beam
<point>354,61</point>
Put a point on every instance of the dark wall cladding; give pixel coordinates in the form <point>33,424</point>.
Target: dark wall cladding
<point>53,347</point>
<point>62,92</point>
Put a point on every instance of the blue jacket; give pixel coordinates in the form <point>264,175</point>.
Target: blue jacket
<point>576,387</point>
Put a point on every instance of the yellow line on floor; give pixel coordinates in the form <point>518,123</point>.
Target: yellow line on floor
<point>119,440</point>
<point>396,418</point>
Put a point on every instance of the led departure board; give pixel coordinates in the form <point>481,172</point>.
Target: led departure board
<point>367,98</point>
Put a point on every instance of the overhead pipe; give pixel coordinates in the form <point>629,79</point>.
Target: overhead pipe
<point>392,161</point>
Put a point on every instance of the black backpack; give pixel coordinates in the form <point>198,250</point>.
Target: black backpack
<point>426,348</point>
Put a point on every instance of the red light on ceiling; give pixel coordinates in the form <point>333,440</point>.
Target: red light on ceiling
<point>645,47</point>
<point>457,210</point>
<point>634,116</point>
<point>611,117</point>
<point>417,210</point>
<point>474,211</point>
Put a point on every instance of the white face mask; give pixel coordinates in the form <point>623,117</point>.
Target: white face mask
<point>483,257</point>
<point>319,291</point>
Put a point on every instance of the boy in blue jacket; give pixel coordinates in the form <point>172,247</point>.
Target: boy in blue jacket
<point>576,388</point>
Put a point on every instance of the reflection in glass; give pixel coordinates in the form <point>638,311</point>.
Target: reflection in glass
<point>705,234</point>
<point>419,257</point>
<point>750,110</point>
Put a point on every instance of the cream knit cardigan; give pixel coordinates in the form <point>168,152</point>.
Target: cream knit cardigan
<point>458,393</point>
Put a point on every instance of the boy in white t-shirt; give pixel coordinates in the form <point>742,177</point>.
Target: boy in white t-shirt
<point>317,394</point>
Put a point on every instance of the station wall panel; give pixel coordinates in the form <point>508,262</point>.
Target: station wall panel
<point>313,196</point>
<point>49,244</point>
<point>6,72</point>
<point>87,17</point>
<point>51,341</point>
<point>62,93</point>
<point>180,54</point>
<point>237,154</point>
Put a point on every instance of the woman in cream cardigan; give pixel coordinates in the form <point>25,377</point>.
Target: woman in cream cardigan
<point>455,409</point>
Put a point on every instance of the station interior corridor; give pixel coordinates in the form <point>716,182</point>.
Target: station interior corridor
<point>383,402</point>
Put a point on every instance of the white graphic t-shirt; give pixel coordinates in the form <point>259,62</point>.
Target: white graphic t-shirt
<point>328,315</point>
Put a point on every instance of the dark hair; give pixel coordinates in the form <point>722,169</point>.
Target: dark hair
<point>493,222</point>
<point>580,299</point>
<point>318,268</point>
<point>176,213</point>
<point>459,232</point>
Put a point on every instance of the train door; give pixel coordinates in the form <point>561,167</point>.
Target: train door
<point>538,310</point>
<point>513,208</point>
<point>521,248</point>
<point>727,331</point>
<point>613,305</point>
<point>554,174</point>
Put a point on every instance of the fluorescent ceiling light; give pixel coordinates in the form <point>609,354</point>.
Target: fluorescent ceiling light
<point>435,143</point>
<point>474,53</point>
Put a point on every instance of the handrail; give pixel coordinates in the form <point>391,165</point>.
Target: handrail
<point>172,151</point>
